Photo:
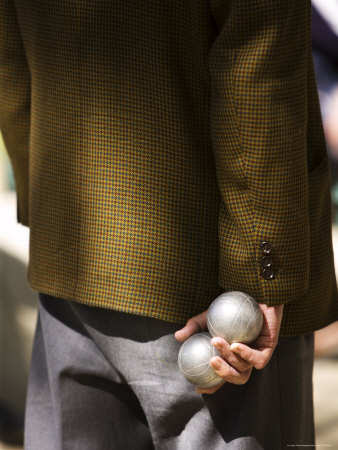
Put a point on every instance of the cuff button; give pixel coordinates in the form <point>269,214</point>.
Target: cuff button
<point>268,273</point>
<point>266,262</point>
<point>266,248</point>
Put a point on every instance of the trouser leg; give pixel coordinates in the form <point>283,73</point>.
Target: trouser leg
<point>275,406</point>
<point>41,426</point>
<point>76,399</point>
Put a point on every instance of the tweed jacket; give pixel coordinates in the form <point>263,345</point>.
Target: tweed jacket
<point>167,151</point>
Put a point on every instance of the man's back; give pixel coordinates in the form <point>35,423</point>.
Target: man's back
<point>166,141</point>
<point>123,196</point>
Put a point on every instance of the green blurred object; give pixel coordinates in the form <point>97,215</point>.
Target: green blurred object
<point>334,195</point>
<point>7,168</point>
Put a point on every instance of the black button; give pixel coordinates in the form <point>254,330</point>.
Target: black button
<point>266,262</point>
<point>266,248</point>
<point>268,273</point>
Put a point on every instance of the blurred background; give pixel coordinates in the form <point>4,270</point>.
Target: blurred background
<point>18,304</point>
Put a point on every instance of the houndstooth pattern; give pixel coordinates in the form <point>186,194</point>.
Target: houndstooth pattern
<point>156,144</point>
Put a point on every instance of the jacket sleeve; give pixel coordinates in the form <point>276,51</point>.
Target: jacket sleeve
<point>268,143</point>
<point>15,102</point>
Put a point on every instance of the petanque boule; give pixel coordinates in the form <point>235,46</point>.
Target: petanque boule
<point>194,360</point>
<point>236,317</point>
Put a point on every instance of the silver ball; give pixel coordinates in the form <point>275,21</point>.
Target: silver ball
<point>236,317</point>
<point>193,360</point>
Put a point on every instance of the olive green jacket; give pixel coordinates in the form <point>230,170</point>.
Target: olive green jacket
<point>157,144</point>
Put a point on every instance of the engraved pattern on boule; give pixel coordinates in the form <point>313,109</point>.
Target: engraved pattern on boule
<point>193,360</point>
<point>236,317</point>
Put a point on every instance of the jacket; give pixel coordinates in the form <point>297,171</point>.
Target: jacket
<point>167,151</point>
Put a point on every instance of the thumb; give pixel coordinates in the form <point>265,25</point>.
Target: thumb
<point>193,325</point>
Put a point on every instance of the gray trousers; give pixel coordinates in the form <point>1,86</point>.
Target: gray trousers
<point>103,379</point>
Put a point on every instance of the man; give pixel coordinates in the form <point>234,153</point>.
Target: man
<point>165,152</point>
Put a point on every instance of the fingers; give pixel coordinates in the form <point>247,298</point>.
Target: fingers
<point>226,371</point>
<point>229,373</point>
<point>223,347</point>
<point>256,358</point>
<point>194,324</point>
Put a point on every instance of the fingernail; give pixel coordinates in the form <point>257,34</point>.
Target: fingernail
<point>178,335</point>
<point>235,347</point>
<point>216,364</point>
<point>215,341</point>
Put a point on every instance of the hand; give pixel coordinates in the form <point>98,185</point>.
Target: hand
<point>238,359</point>
<point>233,368</point>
